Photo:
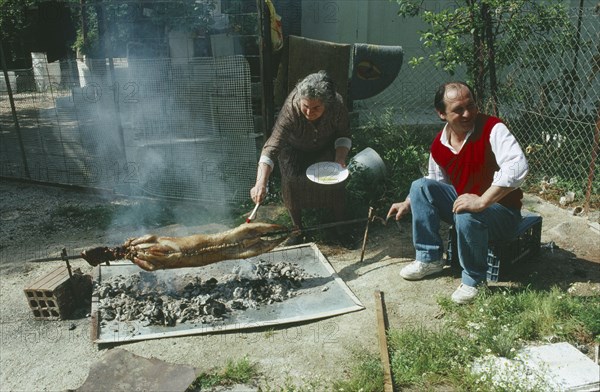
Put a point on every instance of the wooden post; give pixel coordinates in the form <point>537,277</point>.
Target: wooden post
<point>388,384</point>
<point>266,67</point>
<point>364,244</point>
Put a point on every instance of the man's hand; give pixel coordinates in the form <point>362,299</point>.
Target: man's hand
<point>398,210</point>
<point>468,202</point>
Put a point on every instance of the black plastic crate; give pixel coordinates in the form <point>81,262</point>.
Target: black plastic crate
<point>527,243</point>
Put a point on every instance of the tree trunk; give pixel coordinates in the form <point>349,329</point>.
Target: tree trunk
<point>102,37</point>
<point>573,76</point>
<point>491,59</point>
<point>84,26</point>
<point>478,54</point>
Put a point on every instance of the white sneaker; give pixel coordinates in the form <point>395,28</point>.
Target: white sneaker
<point>464,294</point>
<point>418,269</point>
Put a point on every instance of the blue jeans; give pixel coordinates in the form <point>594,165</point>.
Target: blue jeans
<point>431,202</point>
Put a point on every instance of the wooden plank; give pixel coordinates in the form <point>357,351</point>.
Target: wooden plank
<point>388,385</point>
<point>95,319</point>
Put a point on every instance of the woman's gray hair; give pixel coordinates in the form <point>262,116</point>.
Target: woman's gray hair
<point>317,86</point>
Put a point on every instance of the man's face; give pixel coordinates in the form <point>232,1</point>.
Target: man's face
<point>312,108</point>
<point>461,109</point>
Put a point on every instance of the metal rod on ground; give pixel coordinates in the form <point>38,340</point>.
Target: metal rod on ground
<point>364,244</point>
<point>52,258</point>
<point>388,384</point>
<point>318,227</point>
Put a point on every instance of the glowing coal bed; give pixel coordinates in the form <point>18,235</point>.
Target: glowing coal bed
<point>286,285</point>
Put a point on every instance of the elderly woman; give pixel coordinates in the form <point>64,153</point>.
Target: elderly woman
<point>312,126</point>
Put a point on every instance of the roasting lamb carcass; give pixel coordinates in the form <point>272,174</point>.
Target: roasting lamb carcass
<point>151,252</point>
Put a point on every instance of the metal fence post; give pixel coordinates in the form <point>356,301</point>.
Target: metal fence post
<point>14,112</point>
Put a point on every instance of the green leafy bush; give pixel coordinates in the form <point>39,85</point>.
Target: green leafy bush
<point>404,149</point>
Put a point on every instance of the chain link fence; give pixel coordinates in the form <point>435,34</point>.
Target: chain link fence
<point>549,96</point>
<point>551,99</point>
<point>170,128</point>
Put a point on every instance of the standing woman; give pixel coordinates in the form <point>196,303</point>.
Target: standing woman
<point>312,126</point>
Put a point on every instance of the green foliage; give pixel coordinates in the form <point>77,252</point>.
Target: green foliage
<point>423,358</point>
<point>551,154</point>
<point>90,47</point>
<point>404,150</point>
<point>13,17</point>
<point>366,375</point>
<point>587,311</point>
<point>183,15</point>
<point>527,315</point>
<point>498,324</point>
<point>461,33</point>
<point>235,372</point>
<point>128,22</point>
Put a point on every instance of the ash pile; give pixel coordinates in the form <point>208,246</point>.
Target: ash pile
<point>189,299</point>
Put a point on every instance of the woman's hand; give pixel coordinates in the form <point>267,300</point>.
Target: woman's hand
<point>258,193</point>
<point>340,155</point>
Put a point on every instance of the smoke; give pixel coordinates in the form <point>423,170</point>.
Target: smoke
<point>153,121</point>
<point>153,125</point>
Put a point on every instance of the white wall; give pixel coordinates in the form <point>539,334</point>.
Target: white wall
<point>377,22</point>
<point>350,21</point>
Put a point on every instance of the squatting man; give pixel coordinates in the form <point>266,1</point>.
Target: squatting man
<point>474,172</point>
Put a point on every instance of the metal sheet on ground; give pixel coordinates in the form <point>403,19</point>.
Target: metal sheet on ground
<point>322,294</point>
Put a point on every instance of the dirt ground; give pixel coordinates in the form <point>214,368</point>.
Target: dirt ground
<point>57,355</point>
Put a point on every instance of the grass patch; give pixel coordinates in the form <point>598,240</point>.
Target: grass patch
<point>365,376</point>
<point>309,385</point>
<point>424,358</point>
<point>235,372</point>
<point>498,323</point>
<point>527,315</point>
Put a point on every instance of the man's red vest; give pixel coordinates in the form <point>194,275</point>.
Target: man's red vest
<point>472,169</point>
